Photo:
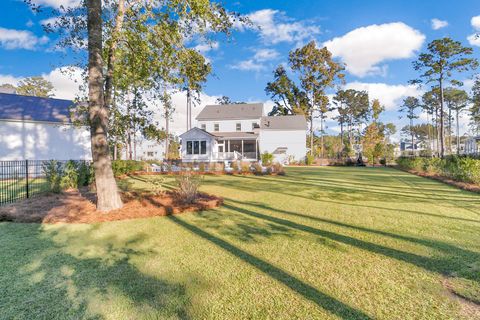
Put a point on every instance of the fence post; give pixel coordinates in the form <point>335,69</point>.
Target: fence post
<point>26,177</point>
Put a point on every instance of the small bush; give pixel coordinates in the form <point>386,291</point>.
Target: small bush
<point>53,174</point>
<point>70,177</point>
<point>257,169</point>
<point>309,159</point>
<point>85,174</point>
<point>201,167</point>
<point>245,167</point>
<point>267,158</point>
<point>188,184</point>
<point>122,167</point>
<point>235,166</point>
<point>278,169</point>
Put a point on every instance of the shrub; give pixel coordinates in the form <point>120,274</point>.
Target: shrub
<point>309,159</point>
<point>122,167</point>
<point>53,174</point>
<point>278,169</point>
<point>257,168</point>
<point>201,167</point>
<point>267,158</point>
<point>85,174</point>
<point>70,176</point>
<point>188,184</point>
<point>235,166</point>
<point>156,183</point>
<point>245,167</point>
<point>460,168</point>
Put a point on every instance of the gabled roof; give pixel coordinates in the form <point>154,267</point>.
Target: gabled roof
<point>293,122</point>
<point>231,111</point>
<point>25,108</point>
<point>195,129</point>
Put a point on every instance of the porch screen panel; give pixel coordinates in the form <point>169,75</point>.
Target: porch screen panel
<point>203,147</point>
<point>189,147</point>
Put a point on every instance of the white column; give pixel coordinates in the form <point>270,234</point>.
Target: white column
<point>242,147</point>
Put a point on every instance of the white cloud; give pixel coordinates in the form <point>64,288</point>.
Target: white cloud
<point>390,96</point>
<point>248,65</point>
<point>363,49</point>
<point>275,27</point>
<point>58,3</point>
<point>475,22</point>
<point>205,47</point>
<point>265,54</point>
<point>474,39</point>
<point>258,61</point>
<point>65,80</point>
<point>20,39</point>
<point>438,24</point>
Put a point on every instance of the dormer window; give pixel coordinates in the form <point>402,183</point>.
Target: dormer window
<point>238,126</point>
<point>216,127</point>
<point>204,126</point>
<point>255,125</point>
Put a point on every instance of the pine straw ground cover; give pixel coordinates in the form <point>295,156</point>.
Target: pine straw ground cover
<point>72,206</point>
<point>318,243</point>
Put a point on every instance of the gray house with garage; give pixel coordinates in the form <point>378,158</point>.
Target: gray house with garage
<point>243,132</point>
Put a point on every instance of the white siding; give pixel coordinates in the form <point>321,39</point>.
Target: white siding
<point>43,141</point>
<point>293,140</point>
<point>229,125</point>
<point>199,136</point>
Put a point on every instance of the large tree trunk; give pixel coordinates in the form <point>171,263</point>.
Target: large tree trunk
<point>108,197</point>
<point>311,133</point>
<point>458,131</point>
<point>442,122</point>
<point>413,141</point>
<point>111,53</point>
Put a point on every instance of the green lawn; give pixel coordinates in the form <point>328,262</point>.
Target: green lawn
<point>319,243</point>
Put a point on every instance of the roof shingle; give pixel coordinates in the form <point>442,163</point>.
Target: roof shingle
<point>231,111</point>
<point>26,108</point>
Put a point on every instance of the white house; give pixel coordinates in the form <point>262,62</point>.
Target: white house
<point>243,132</point>
<point>40,129</point>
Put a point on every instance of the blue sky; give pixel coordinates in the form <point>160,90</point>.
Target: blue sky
<point>377,39</point>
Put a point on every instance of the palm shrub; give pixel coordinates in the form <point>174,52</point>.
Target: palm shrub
<point>188,184</point>
<point>309,159</point>
<point>257,168</point>
<point>267,158</point>
<point>70,176</point>
<point>85,174</point>
<point>278,169</point>
<point>53,174</point>
<point>245,167</point>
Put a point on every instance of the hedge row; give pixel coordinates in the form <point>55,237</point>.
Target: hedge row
<point>460,168</point>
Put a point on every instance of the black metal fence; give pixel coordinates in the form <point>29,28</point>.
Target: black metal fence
<point>22,179</point>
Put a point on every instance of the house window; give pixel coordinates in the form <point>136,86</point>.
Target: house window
<point>254,125</point>
<point>150,154</point>
<point>216,127</point>
<point>189,147</point>
<point>197,147</point>
<point>239,126</point>
<point>204,126</point>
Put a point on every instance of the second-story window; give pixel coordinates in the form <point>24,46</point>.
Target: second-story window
<point>204,126</point>
<point>216,127</point>
<point>239,126</point>
<point>254,125</point>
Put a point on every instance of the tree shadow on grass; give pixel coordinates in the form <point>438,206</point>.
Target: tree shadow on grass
<point>277,190</point>
<point>455,262</point>
<point>40,278</point>
<point>309,292</point>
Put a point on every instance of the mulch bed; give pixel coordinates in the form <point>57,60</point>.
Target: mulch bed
<point>75,206</point>
<point>462,185</point>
